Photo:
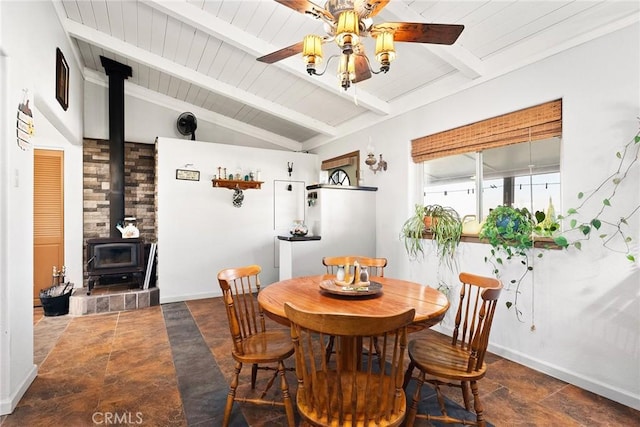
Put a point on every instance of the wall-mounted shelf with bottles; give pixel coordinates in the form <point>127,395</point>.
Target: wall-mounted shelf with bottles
<point>233,184</point>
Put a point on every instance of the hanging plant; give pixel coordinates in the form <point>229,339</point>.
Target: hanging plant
<point>611,227</point>
<point>509,231</point>
<point>444,223</point>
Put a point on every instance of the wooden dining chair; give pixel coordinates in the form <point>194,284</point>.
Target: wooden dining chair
<point>376,265</point>
<point>252,343</point>
<point>352,391</point>
<point>376,268</point>
<point>459,363</point>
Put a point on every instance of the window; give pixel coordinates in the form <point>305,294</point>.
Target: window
<point>521,175</point>
<point>512,159</point>
<point>344,169</point>
<point>339,177</point>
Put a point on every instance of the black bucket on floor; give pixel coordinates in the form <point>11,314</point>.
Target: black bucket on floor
<point>55,300</point>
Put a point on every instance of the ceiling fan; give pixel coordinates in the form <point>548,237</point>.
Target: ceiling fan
<point>346,22</point>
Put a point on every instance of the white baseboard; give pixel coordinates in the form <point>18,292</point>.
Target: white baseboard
<point>606,390</point>
<point>594,386</point>
<point>8,405</point>
<point>187,297</point>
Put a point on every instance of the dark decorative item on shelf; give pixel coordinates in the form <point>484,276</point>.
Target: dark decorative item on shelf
<point>187,124</point>
<point>238,197</point>
<point>299,228</point>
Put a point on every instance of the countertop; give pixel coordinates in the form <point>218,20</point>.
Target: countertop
<point>298,238</point>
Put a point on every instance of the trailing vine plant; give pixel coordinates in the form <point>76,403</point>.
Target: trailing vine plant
<point>602,220</point>
<point>509,231</point>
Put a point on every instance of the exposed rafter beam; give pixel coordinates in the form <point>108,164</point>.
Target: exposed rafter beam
<point>215,27</point>
<point>154,61</point>
<point>460,58</point>
<point>221,120</point>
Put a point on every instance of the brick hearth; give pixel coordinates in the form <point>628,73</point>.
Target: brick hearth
<point>110,300</point>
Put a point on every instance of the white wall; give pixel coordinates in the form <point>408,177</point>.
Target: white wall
<point>584,305</point>
<point>146,120</point>
<point>200,232</point>
<point>30,33</point>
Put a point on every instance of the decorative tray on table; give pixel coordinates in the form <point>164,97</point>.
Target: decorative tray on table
<point>351,289</point>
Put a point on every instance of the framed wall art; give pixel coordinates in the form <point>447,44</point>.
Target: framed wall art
<point>187,175</point>
<point>62,80</point>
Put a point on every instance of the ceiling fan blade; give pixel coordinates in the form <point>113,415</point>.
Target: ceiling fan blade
<point>283,53</point>
<point>308,8</point>
<point>362,69</point>
<point>374,6</point>
<point>420,33</point>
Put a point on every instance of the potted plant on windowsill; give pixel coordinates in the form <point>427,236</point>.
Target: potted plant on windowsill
<point>509,231</point>
<point>442,222</point>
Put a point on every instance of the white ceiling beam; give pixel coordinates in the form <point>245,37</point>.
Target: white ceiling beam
<point>468,64</point>
<point>221,120</point>
<point>152,60</point>
<point>215,27</point>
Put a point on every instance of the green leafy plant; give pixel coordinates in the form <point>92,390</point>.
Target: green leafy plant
<point>546,223</point>
<point>444,224</point>
<point>509,231</point>
<point>610,227</point>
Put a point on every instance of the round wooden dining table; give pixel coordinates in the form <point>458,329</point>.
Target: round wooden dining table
<point>395,297</point>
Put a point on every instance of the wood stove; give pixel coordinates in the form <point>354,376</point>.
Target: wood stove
<point>115,260</point>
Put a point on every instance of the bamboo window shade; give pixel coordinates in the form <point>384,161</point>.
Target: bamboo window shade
<point>530,124</point>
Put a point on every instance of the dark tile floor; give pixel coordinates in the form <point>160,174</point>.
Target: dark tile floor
<point>169,366</point>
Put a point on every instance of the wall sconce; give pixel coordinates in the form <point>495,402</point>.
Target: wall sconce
<point>371,161</point>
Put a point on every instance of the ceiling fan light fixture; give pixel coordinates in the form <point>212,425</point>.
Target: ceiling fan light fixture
<point>348,31</point>
<point>385,50</point>
<point>346,70</point>
<point>312,52</point>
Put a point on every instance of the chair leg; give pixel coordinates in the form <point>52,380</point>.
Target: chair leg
<point>413,409</point>
<point>232,394</point>
<point>408,374</point>
<point>254,375</point>
<point>376,346</point>
<point>478,405</point>
<point>329,348</point>
<point>269,384</point>
<point>284,386</point>
<point>466,395</point>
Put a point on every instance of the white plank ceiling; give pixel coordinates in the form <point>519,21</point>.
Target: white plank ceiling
<point>203,53</point>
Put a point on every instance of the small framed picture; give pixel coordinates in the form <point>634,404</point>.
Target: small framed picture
<point>62,80</point>
<point>187,175</point>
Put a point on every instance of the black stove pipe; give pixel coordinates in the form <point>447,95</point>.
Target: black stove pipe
<point>117,73</point>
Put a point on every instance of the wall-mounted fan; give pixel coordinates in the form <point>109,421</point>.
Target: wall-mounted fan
<point>346,21</point>
<point>187,124</point>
